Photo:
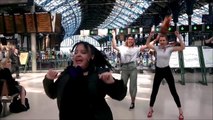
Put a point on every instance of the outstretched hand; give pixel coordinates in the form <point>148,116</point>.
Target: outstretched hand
<point>113,32</point>
<point>52,74</point>
<point>152,33</point>
<point>177,33</point>
<point>107,77</point>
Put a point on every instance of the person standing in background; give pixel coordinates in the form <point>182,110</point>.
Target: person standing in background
<point>1,53</point>
<point>128,56</point>
<point>162,70</point>
<point>15,62</point>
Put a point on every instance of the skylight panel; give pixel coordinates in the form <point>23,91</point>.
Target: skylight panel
<point>128,10</point>
<point>196,16</point>
<point>62,8</point>
<point>39,1</point>
<point>114,25</point>
<point>52,4</point>
<point>68,14</point>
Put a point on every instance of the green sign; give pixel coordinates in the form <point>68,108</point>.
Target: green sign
<point>93,32</point>
<point>196,27</point>
<point>157,29</point>
<point>134,30</point>
<point>110,31</point>
<point>171,29</point>
<point>208,28</point>
<point>184,28</point>
<point>123,31</point>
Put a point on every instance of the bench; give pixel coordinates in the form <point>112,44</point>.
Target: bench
<point>5,97</point>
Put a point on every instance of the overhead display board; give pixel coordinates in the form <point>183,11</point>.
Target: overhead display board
<point>17,2</point>
<point>2,2</point>
<point>56,22</point>
<point>30,22</point>
<point>19,23</point>
<point>44,23</point>
<point>1,25</point>
<point>9,24</point>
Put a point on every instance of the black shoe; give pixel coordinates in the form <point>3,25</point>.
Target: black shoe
<point>132,106</point>
<point>24,108</point>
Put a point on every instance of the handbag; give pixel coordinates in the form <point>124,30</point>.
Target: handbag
<point>16,106</point>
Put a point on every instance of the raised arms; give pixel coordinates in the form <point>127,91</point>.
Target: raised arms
<point>150,45</point>
<point>114,45</point>
<point>182,45</point>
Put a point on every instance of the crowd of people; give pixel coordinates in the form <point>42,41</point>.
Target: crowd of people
<point>87,79</point>
<point>82,86</point>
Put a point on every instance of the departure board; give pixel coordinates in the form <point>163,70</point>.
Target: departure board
<point>1,24</point>
<point>44,23</point>
<point>7,2</point>
<point>19,23</point>
<point>30,22</point>
<point>58,23</point>
<point>9,24</point>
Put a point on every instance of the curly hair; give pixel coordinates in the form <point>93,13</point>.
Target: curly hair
<point>99,60</point>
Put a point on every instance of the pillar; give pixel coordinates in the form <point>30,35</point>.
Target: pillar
<point>33,46</point>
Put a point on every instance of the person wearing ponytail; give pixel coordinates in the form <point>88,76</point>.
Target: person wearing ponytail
<point>162,69</point>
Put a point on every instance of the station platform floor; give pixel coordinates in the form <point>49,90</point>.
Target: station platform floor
<point>196,100</point>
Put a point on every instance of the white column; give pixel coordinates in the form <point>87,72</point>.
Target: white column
<point>33,46</point>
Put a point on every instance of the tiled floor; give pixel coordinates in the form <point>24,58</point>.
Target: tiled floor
<point>196,100</point>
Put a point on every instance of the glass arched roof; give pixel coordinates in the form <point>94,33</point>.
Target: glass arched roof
<point>196,16</point>
<point>123,14</point>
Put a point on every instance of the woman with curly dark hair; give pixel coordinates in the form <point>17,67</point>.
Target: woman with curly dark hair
<point>81,88</point>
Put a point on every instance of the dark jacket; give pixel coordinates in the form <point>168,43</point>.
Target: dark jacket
<point>15,59</point>
<point>83,97</point>
<point>5,74</point>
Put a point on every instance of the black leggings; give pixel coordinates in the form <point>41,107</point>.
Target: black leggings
<point>166,73</point>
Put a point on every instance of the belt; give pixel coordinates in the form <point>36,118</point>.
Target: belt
<point>127,63</point>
